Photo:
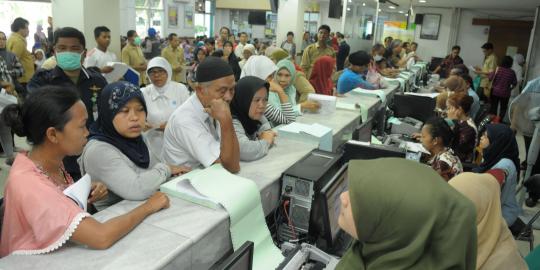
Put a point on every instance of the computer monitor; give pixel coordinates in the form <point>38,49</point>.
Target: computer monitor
<point>417,107</point>
<point>241,259</point>
<point>332,204</point>
<point>363,133</point>
<point>360,150</point>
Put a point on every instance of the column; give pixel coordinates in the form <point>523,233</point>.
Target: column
<point>290,18</point>
<point>86,15</point>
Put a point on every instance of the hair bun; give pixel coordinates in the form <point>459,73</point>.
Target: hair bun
<point>13,118</point>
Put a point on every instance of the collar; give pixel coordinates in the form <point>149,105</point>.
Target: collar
<point>19,36</point>
<point>173,49</point>
<point>57,72</point>
<point>198,108</point>
<point>155,94</point>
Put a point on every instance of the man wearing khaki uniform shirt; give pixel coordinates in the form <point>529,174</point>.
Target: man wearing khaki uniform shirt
<point>316,50</point>
<point>133,56</point>
<point>17,45</point>
<point>175,56</point>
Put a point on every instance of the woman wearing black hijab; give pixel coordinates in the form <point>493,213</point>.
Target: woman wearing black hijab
<point>500,151</point>
<point>253,131</point>
<point>116,152</point>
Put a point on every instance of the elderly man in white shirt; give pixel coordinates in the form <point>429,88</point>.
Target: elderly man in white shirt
<point>100,56</point>
<point>200,131</point>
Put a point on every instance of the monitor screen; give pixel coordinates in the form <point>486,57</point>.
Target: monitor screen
<point>257,17</point>
<point>241,259</point>
<point>332,194</point>
<point>417,107</point>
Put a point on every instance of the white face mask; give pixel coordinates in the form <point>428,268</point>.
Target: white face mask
<point>377,58</point>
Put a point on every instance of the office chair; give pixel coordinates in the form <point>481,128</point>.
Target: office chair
<point>527,233</point>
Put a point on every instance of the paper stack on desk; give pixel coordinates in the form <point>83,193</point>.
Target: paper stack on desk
<point>242,200</point>
<point>79,191</point>
<point>317,134</point>
<point>328,103</point>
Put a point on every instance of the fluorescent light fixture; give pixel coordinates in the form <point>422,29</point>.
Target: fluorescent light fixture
<point>348,9</point>
<point>401,11</point>
<point>350,1</point>
<point>392,7</point>
<point>422,1</point>
<point>380,10</point>
<point>363,4</point>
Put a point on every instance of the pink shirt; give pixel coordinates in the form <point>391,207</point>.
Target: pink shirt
<point>38,217</point>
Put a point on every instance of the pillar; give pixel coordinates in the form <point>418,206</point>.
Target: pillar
<point>290,18</point>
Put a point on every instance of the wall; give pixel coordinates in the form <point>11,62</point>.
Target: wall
<point>434,48</point>
<point>335,24</point>
<point>108,17</point>
<point>222,18</point>
<point>181,30</point>
<point>245,4</point>
<point>82,15</point>
<point>127,16</point>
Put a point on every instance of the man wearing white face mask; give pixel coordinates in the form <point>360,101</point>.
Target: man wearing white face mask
<point>69,51</point>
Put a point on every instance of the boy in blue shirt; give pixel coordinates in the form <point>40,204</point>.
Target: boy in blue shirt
<point>354,76</point>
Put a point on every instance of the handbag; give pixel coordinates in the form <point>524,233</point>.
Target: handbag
<point>489,88</point>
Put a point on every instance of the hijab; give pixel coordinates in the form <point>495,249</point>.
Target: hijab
<point>270,50</point>
<point>430,226</point>
<point>40,62</point>
<point>250,48</point>
<point>160,62</point>
<point>112,98</point>
<point>290,90</point>
<point>497,249</point>
<point>502,144</point>
<point>516,66</point>
<point>281,54</point>
<point>246,88</point>
<point>259,66</point>
<point>321,75</point>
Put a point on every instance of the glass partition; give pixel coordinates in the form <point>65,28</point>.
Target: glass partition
<point>360,24</point>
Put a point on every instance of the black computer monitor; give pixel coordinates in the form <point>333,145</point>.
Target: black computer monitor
<point>417,107</point>
<point>332,204</point>
<point>241,259</point>
<point>363,133</point>
<point>361,150</point>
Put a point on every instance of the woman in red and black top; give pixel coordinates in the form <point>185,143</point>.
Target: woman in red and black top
<point>503,80</point>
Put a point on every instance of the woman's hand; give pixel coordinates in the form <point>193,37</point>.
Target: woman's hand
<point>311,106</point>
<point>157,202</point>
<point>268,135</point>
<point>179,170</point>
<point>98,191</point>
<point>275,87</point>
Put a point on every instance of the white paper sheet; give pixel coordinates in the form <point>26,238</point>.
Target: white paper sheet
<point>119,69</point>
<point>328,103</point>
<point>79,191</point>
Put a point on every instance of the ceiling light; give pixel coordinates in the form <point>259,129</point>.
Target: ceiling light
<point>350,1</point>
<point>363,4</point>
<point>401,11</point>
<point>392,7</point>
<point>348,9</point>
<point>422,1</point>
<point>406,15</point>
<point>380,10</point>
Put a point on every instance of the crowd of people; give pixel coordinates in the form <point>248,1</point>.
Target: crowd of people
<point>132,138</point>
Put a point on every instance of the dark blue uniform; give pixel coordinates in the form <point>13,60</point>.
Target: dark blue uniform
<point>89,85</point>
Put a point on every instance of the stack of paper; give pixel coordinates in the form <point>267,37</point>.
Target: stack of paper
<point>217,186</point>
<point>119,69</point>
<point>328,103</point>
<point>315,133</point>
<point>79,191</point>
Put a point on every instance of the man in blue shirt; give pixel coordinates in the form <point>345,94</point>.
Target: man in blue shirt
<point>354,76</point>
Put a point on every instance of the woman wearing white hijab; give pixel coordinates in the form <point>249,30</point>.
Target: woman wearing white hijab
<point>162,97</point>
<point>496,247</point>
<point>248,51</point>
<point>517,67</point>
<point>262,67</point>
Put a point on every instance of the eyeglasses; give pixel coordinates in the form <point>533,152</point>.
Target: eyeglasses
<point>154,72</point>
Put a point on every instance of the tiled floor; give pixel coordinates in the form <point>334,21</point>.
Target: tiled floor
<point>523,246</point>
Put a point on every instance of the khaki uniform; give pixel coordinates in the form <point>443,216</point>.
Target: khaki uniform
<point>311,53</point>
<point>17,45</point>
<point>132,56</point>
<point>175,57</point>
